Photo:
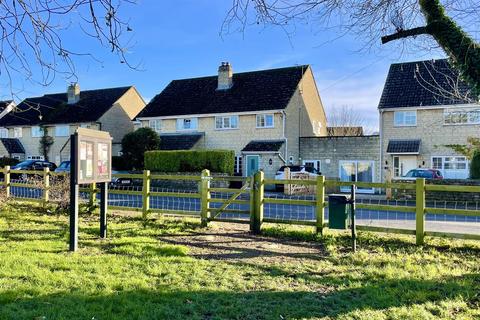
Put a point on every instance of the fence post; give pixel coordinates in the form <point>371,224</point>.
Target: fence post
<point>46,185</point>
<point>6,176</point>
<point>320,206</point>
<point>256,225</point>
<point>93,194</point>
<point>420,210</point>
<point>205,197</point>
<point>146,194</point>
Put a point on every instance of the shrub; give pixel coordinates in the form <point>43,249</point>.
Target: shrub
<point>221,161</point>
<point>475,165</point>
<point>134,145</point>
<point>5,161</point>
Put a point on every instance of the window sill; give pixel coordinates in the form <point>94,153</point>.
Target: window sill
<point>265,127</point>
<point>225,129</point>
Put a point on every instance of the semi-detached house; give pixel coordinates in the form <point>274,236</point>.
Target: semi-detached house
<point>260,115</point>
<point>424,108</point>
<point>59,115</point>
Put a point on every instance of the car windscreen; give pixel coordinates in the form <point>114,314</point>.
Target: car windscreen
<point>24,163</point>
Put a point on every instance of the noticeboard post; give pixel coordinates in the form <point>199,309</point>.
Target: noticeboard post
<point>90,162</point>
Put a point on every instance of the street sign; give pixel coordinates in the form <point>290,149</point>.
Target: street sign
<point>90,162</point>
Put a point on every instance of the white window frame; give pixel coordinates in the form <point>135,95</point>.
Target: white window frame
<point>17,132</point>
<point>225,122</point>
<point>3,133</point>
<point>470,115</point>
<point>183,121</point>
<point>263,118</point>
<point>404,116</point>
<point>447,160</point>
<point>238,167</point>
<point>41,158</point>
<point>155,125</point>
<point>62,130</point>
<point>37,132</point>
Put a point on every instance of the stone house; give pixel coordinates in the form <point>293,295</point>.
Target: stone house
<point>59,115</point>
<point>260,115</point>
<point>424,108</point>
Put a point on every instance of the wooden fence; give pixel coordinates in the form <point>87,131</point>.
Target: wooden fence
<point>253,187</point>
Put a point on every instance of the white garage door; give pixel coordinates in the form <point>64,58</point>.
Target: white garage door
<point>451,167</point>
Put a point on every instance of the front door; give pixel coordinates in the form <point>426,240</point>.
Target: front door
<point>403,164</point>
<point>362,171</point>
<point>252,164</point>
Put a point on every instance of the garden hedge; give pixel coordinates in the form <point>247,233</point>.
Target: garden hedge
<point>475,165</point>
<point>221,161</point>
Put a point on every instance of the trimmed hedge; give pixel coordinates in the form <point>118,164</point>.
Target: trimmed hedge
<point>221,161</point>
<point>5,161</point>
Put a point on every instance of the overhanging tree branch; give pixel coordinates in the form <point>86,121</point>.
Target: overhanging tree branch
<point>405,34</point>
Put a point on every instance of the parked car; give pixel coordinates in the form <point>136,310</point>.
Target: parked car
<point>280,175</point>
<point>430,174</point>
<point>121,182</point>
<point>63,167</point>
<point>34,165</point>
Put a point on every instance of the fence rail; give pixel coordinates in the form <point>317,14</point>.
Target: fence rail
<point>248,203</point>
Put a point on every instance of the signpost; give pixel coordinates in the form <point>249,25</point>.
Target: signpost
<point>90,162</point>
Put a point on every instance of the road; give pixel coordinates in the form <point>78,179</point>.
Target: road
<point>395,219</point>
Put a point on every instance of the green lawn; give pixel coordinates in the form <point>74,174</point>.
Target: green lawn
<point>137,275</point>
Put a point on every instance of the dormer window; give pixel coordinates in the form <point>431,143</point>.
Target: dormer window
<point>3,133</point>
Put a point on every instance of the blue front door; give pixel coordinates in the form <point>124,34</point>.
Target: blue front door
<point>252,165</point>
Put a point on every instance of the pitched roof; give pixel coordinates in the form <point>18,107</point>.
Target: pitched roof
<point>12,145</point>
<point>4,104</point>
<point>53,108</point>
<point>251,91</point>
<point>263,145</point>
<point>423,83</point>
<point>179,141</point>
<point>403,146</point>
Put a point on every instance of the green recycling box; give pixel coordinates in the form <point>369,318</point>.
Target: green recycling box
<point>338,211</point>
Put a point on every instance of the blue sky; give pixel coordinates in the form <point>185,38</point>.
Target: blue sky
<point>180,39</point>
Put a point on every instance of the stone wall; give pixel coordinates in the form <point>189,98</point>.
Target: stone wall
<point>331,150</point>
<point>401,194</point>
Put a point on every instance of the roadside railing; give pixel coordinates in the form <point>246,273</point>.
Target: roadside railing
<point>249,202</point>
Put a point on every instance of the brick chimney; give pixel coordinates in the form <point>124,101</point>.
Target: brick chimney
<point>73,93</point>
<point>225,76</point>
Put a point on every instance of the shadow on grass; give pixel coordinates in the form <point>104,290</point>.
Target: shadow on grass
<point>204,304</point>
<point>371,241</point>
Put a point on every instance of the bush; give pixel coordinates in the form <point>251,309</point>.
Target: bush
<point>120,164</point>
<point>475,165</point>
<point>5,161</point>
<point>134,145</point>
<point>221,161</point>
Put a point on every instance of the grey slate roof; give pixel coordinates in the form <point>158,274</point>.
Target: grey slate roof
<point>251,91</point>
<point>403,146</point>
<point>179,141</point>
<point>53,108</point>
<point>12,145</point>
<point>423,83</point>
<point>263,146</point>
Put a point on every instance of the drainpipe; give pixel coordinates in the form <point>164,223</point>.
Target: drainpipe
<point>284,120</point>
<point>381,145</point>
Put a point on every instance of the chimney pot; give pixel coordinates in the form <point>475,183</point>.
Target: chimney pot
<point>73,93</point>
<point>225,76</point>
